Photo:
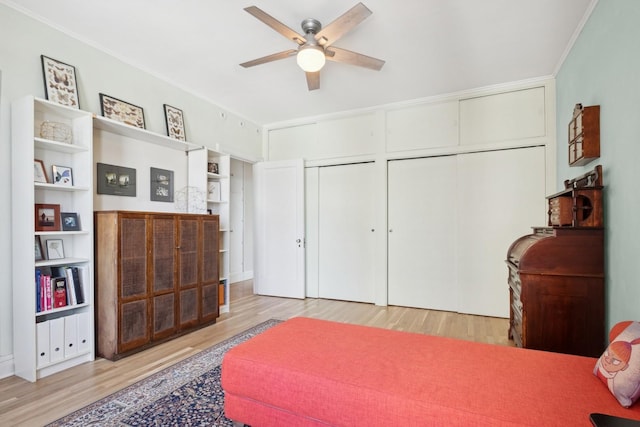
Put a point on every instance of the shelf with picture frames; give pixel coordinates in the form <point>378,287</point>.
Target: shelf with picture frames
<point>59,141</point>
<point>119,128</point>
<point>209,172</point>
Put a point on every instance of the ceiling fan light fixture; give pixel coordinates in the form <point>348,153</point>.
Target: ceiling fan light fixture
<point>311,58</point>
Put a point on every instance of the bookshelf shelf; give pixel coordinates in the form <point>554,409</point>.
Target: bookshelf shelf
<point>52,339</point>
<point>216,202</point>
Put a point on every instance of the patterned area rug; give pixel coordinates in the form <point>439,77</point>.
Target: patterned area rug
<point>185,394</point>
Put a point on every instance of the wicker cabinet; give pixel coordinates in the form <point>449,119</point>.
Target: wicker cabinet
<point>156,277</point>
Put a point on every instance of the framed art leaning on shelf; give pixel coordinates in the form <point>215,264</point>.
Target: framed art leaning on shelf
<point>121,111</point>
<point>38,249</point>
<point>55,249</point>
<point>175,122</point>
<point>60,84</point>
<point>70,221</point>
<point>62,175</point>
<point>47,217</point>
<point>39,172</point>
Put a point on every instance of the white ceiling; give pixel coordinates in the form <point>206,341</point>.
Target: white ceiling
<point>431,47</point>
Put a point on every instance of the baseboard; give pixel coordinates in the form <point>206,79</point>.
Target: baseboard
<point>6,366</point>
<point>239,277</point>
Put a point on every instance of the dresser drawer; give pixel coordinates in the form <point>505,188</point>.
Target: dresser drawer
<point>561,211</point>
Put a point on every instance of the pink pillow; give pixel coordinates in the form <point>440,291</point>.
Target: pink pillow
<point>619,365</point>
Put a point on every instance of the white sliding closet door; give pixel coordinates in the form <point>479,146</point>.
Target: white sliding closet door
<point>422,228</point>
<point>346,236</point>
<point>501,195</point>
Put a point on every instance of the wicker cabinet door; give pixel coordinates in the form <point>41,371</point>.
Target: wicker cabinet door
<point>188,284</point>
<point>163,284</point>
<point>210,268</point>
<point>133,328</point>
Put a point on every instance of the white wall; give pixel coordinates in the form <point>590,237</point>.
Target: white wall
<point>22,41</point>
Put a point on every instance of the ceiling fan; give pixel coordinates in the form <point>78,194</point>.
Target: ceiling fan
<point>316,45</point>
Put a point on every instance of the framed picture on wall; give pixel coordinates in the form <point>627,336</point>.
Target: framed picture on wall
<point>118,110</point>
<point>175,122</point>
<point>116,180</point>
<point>60,84</point>
<point>161,183</point>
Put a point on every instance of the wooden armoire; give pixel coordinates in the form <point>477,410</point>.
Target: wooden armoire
<point>156,277</point>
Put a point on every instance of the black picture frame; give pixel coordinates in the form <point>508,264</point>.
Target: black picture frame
<point>70,221</point>
<point>161,185</point>
<point>38,252</point>
<point>116,180</point>
<point>60,83</point>
<point>174,119</point>
<point>121,111</point>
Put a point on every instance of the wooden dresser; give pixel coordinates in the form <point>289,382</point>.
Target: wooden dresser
<point>556,275</point>
<point>156,277</point>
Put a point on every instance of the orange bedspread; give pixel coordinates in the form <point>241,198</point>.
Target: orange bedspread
<point>314,372</point>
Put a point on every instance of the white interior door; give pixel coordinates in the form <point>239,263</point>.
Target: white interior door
<point>501,194</point>
<point>422,218</point>
<point>279,229</point>
<point>346,232</point>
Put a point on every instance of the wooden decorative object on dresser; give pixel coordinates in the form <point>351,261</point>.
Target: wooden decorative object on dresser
<point>157,277</point>
<point>556,274</point>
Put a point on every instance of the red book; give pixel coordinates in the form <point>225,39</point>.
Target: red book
<point>48,294</point>
<point>59,292</point>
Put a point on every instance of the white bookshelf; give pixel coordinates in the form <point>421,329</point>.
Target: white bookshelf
<point>216,202</point>
<point>49,341</point>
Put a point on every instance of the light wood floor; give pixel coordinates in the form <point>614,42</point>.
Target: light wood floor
<point>35,404</point>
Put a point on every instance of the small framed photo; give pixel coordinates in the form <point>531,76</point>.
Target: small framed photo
<point>212,167</point>
<point>161,185</point>
<point>62,175</point>
<point>47,217</point>
<point>70,221</point>
<point>115,109</point>
<point>39,172</point>
<point>39,255</point>
<point>175,122</point>
<point>60,85</point>
<point>213,191</point>
<point>55,249</point>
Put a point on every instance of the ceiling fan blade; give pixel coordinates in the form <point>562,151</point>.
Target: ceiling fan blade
<point>347,57</point>
<point>342,25</point>
<point>313,80</point>
<point>275,24</point>
<point>270,58</point>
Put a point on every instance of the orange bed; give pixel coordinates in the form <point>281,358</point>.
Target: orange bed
<point>309,372</point>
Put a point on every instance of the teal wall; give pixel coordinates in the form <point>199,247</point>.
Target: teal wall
<point>603,68</point>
